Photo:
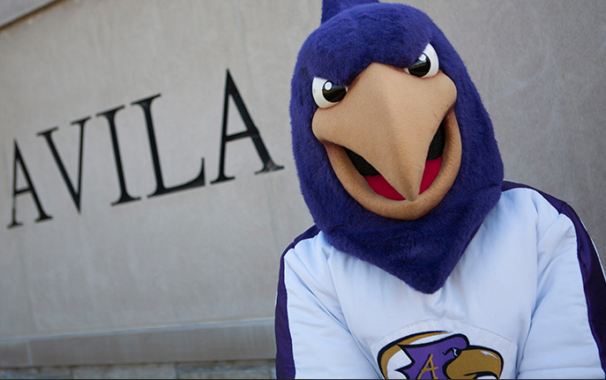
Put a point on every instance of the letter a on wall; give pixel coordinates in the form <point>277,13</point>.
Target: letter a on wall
<point>29,189</point>
<point>251,131</point>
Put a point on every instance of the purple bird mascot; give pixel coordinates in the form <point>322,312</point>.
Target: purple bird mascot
<point>423,263</point>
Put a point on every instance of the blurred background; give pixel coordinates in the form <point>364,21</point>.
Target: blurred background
<point>105,103</point>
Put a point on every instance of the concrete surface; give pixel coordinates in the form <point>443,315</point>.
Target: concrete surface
<point>252,369</point>
<point>12,10</point>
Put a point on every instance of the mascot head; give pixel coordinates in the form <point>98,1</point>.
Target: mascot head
<point>395,152</point>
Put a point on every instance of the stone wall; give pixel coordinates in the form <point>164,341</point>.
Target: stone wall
<point>251,369</point>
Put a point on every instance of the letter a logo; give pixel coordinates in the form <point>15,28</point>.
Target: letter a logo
<point>428,367</point>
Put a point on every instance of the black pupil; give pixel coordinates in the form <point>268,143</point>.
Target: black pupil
<point>421,67</point>
<point>333,93</point>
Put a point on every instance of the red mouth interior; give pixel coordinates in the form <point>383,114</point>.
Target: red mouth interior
<point>382,187</point>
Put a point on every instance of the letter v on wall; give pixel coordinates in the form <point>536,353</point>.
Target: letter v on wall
<point>75,194</point>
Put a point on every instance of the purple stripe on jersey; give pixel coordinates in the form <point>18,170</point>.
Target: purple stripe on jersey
<point>593,278</point>
<point>285,363</point>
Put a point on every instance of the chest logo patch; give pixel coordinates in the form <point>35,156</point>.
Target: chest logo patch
<point>439,355</point>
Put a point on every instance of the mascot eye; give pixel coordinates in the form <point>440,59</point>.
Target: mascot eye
<point>427,65</point>
<point>326,94</point>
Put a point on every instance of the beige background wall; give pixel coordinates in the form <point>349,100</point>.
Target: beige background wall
<point>192,275</point>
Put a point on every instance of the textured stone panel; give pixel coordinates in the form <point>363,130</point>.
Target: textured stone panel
<point>140,371</point>
<point>36,373</point>
<point>253,369</point>
<point>14,354</point>
<point>205,254</point>
<point>227,341</point>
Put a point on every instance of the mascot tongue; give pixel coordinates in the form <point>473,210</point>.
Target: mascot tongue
<point>380,185</point>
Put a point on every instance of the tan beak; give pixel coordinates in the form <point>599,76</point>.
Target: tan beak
<point>389,118</point>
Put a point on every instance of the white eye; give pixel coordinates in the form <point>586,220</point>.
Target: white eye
<point>326,94</point>
<point>427,65</point>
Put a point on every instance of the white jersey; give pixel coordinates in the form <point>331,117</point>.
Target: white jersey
<point>526,300</point>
